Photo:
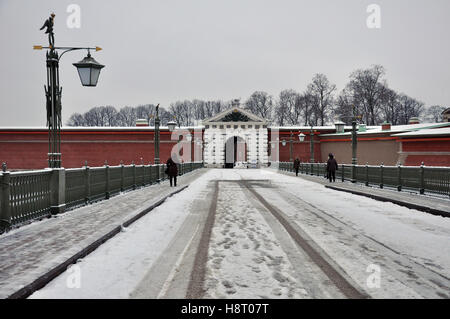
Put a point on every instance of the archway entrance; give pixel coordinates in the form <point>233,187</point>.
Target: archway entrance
<point>235,151</point>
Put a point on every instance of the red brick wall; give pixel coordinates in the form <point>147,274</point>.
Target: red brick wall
<point>28,150</point>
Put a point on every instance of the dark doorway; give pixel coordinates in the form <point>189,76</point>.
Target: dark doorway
<point>235,151</point>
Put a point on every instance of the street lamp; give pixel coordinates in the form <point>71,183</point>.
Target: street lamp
<point>88,70</point>
<point>301,137</point>
<point>171,125</point>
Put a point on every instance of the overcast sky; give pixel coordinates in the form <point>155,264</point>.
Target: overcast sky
<point>161,51</point>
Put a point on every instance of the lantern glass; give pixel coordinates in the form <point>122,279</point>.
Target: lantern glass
<point>88,70</point>
<point>189,137</point>
<point>283,142</point>
<point>301,137</point>
<point>171,125</point>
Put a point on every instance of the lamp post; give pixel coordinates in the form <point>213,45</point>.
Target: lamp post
<point>290,146</point>
<point>156,138</point>
<point>311,144</point>
<point>189,139</point>
<point>354,143</point>
<point>88,70</point>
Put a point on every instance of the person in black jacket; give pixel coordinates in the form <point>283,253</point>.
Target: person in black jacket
<point>332,167</point>
<point>172,171</point>
<point>296,166</point>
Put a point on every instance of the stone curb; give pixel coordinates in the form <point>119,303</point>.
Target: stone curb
<point>425,209</point>
<point>56,271</point>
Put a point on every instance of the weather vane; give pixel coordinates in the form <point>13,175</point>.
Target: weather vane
<point>49,25</point>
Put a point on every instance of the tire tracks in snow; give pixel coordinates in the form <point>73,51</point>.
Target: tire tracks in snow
<point>337,278</point>
<point>424,281</point>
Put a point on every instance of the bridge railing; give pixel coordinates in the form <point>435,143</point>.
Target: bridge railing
<point>29,195</point>
<point>435,180</point>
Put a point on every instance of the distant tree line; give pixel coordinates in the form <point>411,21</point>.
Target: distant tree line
<point>366,95</point>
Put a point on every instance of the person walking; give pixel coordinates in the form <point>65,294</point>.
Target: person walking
<point>332,167</point>
<point>296,166</point>
<point>172,171</point>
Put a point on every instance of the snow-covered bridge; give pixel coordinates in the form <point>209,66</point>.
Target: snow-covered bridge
<point>236,234</point>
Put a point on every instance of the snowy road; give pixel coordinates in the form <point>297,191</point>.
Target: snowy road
<point>259,234</point>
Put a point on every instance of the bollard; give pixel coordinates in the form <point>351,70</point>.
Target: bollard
<point>58,191</point>
<point>107,180</point>
<point>121,176</point>
<point>399,175</point>
<point>87,183</point>
<point>367,173</point>
<point>422,178</point>
<point>353,173</point>
<point>5,208</point>
<point>134,175</point>
<point>381,175</point>
<point>343,173</point>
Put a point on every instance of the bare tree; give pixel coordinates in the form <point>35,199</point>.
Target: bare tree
<point>390,108</point>
<point>433,114</point>
<point>408,108</point>
<point>321,91</point>
<point>94,117</point>
<point>109,115</point>
<point>367,88</point>
<point>343,109</point>
<point>127,116</point>
<point>76,119</point>
<point>260,103</point>
<point>287,110</point>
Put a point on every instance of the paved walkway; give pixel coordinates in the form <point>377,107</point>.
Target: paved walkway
<point>36,250</point>
<point>427,203</point>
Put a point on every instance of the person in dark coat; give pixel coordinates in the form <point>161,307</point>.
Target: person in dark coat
<point>296,166</point>
<point>332,167</point>
<point>172,171</point>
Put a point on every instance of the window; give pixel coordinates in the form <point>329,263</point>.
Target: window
<point>242,126</point>
<point>220,126</point>
<point>214,126</point>
<point>236,126</point>
<point>206,126</point>
<point>257,126</point>
<point>250,126</point>
<point>228,126</point>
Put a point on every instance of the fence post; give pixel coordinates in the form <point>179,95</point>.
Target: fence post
<point>58,191</point>
<point>381,175</point>
<point>353,173</point>
<point>367,173</point>
<point>107,177</point>
<point>399,181</point>
<point>158,175</point>
<point>87,183</point>
<point>134,175</point>
<point>422,178</point>
<point>5,208</point>
<point>122,182</point>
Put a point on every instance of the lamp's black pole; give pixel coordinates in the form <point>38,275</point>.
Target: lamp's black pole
<point>156,141</point>
<point>53,97</point>
<point>311,144</point>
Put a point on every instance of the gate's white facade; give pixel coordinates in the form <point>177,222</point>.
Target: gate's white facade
<point>230,123</point>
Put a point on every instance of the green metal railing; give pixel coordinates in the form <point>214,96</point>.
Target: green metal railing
<point>30,195</point>
<point>435,180</point>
